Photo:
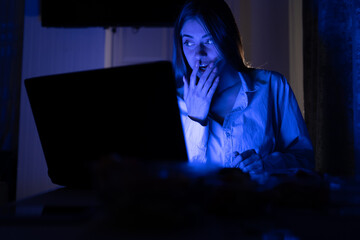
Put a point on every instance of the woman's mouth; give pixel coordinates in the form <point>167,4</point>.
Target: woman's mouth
<point>203,67</point>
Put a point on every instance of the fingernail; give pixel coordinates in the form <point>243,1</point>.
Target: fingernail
<point>197,64</point>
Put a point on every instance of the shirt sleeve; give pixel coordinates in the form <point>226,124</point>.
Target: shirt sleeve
<point>293,148</point>
<point>196,135</point>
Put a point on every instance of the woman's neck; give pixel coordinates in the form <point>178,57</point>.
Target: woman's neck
<point>228,79</point>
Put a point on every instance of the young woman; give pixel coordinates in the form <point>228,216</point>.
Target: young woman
<point>233,115</point>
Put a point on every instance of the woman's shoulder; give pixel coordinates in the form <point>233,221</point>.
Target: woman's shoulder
<point>261,77</point>
<point>266,74</point>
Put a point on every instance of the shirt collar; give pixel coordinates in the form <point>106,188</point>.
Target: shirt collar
<point>247,82</point>
<point>247,85</point>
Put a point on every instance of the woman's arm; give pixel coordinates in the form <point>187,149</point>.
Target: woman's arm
<point>293,145</point>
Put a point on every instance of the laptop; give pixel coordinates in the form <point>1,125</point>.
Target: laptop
<point>129,110</point>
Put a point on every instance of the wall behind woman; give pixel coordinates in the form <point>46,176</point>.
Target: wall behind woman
<point>272,38</point>
<point>48,51</point>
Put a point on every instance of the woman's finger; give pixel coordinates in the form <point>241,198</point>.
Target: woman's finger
<point>252,163</point>
<point>213,87</point>
<point>210,81</point>
<point>236,159</point>
<point>256,166</point>
<point>186,86</point>
<point>246,162</point>
<point>247,153</point>
<point>193,75</point>
<point>204,78</point>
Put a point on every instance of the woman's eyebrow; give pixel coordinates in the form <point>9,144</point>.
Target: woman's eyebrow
<point>189,36</point>
<point>206,35</point>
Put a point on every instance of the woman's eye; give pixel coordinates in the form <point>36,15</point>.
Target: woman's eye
<point>209,41</point>
<point>188,43</point>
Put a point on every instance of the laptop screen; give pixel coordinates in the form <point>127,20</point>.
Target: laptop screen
<point>129,110</point>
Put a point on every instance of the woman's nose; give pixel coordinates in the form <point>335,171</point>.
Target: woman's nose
<point>200,51</point>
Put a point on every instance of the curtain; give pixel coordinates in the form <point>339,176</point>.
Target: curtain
<point>331,62</point>
<point>11,28</point>
<point>356,85</point>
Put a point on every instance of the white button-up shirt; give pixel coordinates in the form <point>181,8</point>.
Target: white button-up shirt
<point>265,117</point>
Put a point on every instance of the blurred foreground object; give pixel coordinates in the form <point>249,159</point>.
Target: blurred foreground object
<point>171,196</point>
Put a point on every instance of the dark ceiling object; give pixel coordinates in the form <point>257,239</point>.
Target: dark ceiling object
<point>109,13</point>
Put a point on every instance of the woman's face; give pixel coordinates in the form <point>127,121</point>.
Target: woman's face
<point>198,45</point>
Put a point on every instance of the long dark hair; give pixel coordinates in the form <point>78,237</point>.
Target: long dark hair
<point>218,20</point>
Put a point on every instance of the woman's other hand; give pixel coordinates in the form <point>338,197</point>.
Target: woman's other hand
<point>248,161</point>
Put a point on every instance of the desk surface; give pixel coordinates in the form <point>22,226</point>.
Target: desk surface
<point>191,204</point>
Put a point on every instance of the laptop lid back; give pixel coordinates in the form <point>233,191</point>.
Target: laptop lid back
<point>129,110</point>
